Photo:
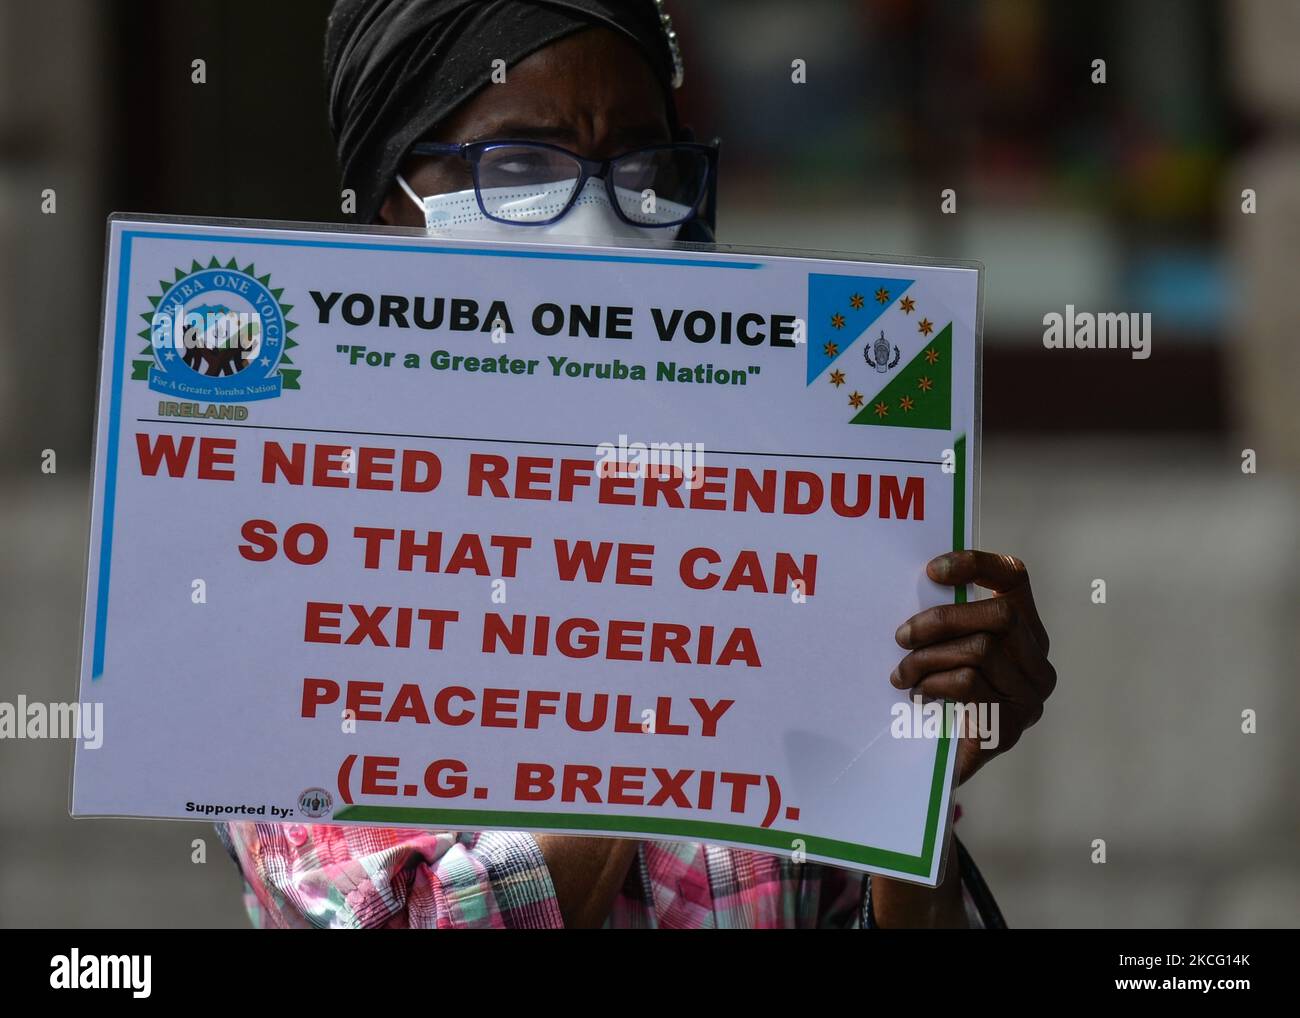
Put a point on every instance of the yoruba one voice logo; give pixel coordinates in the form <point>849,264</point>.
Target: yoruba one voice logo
<point>218,333</point>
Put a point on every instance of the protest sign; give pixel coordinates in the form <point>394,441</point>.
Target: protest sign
<point>394,530</point>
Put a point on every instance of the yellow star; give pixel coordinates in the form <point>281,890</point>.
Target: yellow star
<point>856,302</point>
<point>924,383</point>
<point>881,410</point>
<point>908,305</point>
<point>855,400</point>
<point>932,355</point>
<point>882,295</point>
<point>837,320</point>
<point>837,378</point>
<point>925,326</point>
<point>831,350</point>
<point>906,403</point>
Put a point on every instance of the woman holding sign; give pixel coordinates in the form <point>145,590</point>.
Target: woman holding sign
<point>583,91</point>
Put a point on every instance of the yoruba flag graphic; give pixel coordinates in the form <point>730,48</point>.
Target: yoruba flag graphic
<point>900,376</point>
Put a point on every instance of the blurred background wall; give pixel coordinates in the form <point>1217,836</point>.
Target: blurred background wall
<point>1125,196</point>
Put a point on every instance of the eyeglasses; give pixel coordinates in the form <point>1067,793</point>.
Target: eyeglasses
<point>532,183</point>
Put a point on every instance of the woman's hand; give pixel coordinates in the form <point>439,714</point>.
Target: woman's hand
<point>992,651</point>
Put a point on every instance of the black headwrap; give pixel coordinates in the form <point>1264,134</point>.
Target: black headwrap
<point>395,68</point>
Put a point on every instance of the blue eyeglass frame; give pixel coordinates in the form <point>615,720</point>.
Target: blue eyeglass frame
<point>473,151</point>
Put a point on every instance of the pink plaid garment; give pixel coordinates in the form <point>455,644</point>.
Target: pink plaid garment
<point>325,875</point>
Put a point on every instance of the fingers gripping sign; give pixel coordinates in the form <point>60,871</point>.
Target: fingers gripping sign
<point>992,651</point>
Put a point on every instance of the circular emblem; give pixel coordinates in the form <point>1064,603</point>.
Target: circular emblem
<point>315,803</point>
<point>219,333</point>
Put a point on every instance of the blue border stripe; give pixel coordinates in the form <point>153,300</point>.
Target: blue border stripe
<point>487,253</point>
<point>110,470</point>
<point>123,293</point>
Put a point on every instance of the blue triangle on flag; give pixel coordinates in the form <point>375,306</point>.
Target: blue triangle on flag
<point>830,296</point>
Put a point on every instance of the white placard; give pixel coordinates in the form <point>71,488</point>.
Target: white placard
<point>396,530</point>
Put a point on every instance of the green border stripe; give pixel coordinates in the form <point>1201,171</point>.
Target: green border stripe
<point>959,509</point>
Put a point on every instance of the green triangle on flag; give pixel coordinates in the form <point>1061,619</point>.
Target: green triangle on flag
<point>919,396</point>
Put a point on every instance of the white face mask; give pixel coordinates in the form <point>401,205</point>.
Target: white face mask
<point>591,220</point>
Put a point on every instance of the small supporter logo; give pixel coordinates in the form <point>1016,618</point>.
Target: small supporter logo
<point>218,333</point>
<point>315,803</point>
